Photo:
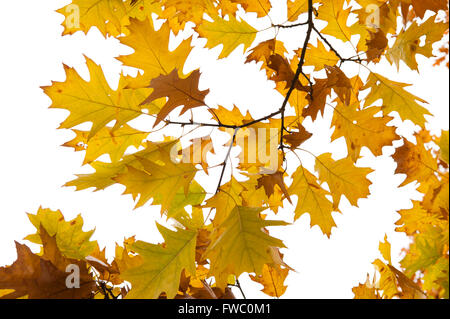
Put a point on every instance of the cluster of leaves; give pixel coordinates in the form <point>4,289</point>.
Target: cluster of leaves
<point>425,263</point>
<point>204,256</point>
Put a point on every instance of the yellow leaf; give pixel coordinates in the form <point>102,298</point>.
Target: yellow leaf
<point>415,161</point>
<point>333,12</point>
<point>178,13</point>
<point>151,52</point>
<point>160,266</point>
<point>385,250</point>
<point>261,7</point>
<point>230,34</point>
<point>106,15</point>
<point>95,101</point>
<point>164,183</point>
<point>395,98</point>
<point>240,244</point>
<point>408,43</point>
<point>362,128</point>
<point>105,172</point>
<point>444,147</point>
<point>319,57</point>
<point>142,9</point>
<point>272,278</point>
<point>312,199</point>
<point>296,8</point>
<point>70,238</point>
<point>106,141</point>
<point>343,178</point>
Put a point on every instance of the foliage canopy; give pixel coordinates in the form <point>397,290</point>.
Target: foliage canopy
<point>222,234</point>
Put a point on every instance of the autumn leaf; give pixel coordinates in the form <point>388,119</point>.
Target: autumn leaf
<point>240,245</point>
<point>272,279</point>
<point>179,92</point>
<point>160,266</point>
<point>164,183</point>
<point>312,199</point>
<point>270,181</point>
<point>414,161</point>
<point>70,238</point>
<point>420,7</point>
<point>230,34</point>
<point>94,101</point>
<point>362,128</point>
<point>151,52</point>
<point>395,98</point>
<point>106,15</point>
<point>106,141</point>
<point>343,178</point>
<point>408,44</point>
<point>260,7</point>
<point>44,277</point>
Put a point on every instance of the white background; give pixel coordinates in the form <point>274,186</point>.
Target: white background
<point>34,166</point>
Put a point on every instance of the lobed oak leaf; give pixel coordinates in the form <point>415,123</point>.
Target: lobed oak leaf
<point>376,45</point>
<point>106,15</point>
<point>312,199</point>
<point>264,50</point>
<point>178,13</point>
<point>151,52</point>
<point>319,57</point>
<point>273,279</point>
<point>317,102</point>
<point>297,8</point>
<point>159,267</point>
<point>270,181</point>
<point>366,291</point>
<point>395,98</point>
<point>70,238</point>
<point>343,178</point>
<point>105,173</point>
<point>283,71</point>
<point>295,139</point>
<point>415,161</point>
<point>340,83</point>
<point>362,128</point>
<point>106,141</point>
<point>226,200</point>
<point>239,244</point>
<point>179,92</point>
<point>408,43</point>
<point>255,196</point>
<point>95,101</point>
<point>167,184</point>
<point>334,13</point>
<point>420,6</point>
<point>44,277</point>
<point>230,34</point>
<point>260,7</point>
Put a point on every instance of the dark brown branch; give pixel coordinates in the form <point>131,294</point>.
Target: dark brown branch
<point>298,72</point>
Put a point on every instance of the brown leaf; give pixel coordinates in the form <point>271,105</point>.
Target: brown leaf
<point>295,139</point>
<point>269,182</point>
<point>283,71</point>
<point>320,92</point>
<point>44,277</point>
<point>376,45</point>
<point>179,92</point>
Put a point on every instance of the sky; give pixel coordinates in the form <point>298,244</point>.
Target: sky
<point>35,166</point>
